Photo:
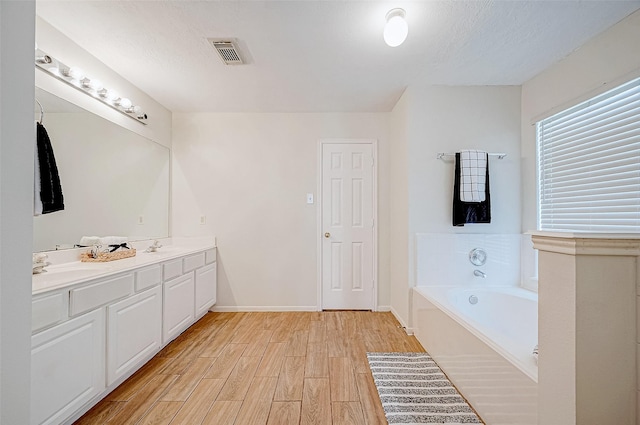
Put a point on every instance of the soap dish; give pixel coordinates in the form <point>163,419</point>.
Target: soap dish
<point>39,267</point>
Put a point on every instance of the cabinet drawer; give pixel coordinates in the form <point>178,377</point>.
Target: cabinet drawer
<point>193,262</point>
<point>210,256</point>
<point>100,293</point>
<point>148,277</point>
<point>172,269</point>
<point>49,310</point>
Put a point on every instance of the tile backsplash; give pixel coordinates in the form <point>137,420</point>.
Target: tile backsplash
<point>442,259</point>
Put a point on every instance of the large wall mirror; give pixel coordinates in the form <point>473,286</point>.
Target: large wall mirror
<point>114,182</point>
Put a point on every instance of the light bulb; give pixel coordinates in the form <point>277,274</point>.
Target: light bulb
<point>76,73</point>
<point>137,110</point>
<point>112,95</point>
<point>54,70</point>
<point>96,84</point>
<point>396,29</point>
<point>125,103</point>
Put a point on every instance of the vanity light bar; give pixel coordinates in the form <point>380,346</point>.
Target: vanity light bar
<point>93,87</point>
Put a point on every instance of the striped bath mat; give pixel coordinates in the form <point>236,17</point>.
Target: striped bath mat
<point>413,390</point>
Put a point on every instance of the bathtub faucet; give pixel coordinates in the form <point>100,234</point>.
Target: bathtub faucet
<point>479,273</point>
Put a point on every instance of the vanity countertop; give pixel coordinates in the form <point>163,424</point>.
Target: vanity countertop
<point>66,272</point>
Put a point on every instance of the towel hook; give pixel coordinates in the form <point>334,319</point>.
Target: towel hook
<point>41,111</point>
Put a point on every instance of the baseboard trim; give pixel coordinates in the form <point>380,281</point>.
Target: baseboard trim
<point>241,308</point>
<point>407,329</point>
<point>245,308</point>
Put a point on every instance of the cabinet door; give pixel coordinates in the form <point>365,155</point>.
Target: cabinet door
<point>205,289</point>
<point>67,367</point>
<point>134,332</point>
<point>178,312</point>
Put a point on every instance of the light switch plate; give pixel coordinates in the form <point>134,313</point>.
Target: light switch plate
<point>309,198</point>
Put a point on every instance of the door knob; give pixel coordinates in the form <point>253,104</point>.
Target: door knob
<point>326,235</point>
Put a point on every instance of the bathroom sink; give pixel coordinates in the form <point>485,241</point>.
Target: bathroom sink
<point>164,250</point>
<point>74,271</point>
<point>68,273</point>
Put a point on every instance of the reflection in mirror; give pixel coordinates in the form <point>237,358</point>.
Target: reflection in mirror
<point>114,181</point>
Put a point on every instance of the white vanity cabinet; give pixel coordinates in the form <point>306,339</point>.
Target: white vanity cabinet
<point>134,332</point>
<point>189,296</point>
<point>205,289</point>
<point>67,367</point>
<point>178,311</point>
<point>89,336</point>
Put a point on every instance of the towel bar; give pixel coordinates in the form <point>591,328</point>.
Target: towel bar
<point>441,155</point>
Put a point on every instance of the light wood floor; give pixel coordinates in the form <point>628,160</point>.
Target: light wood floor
<point>261,368</point>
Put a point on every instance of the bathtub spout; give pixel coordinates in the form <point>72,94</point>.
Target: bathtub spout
<point>479,273</point>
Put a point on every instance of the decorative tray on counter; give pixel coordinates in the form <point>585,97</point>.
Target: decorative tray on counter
<point>103,257</point>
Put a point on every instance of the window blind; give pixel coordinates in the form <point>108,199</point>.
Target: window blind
<point>589,165</point>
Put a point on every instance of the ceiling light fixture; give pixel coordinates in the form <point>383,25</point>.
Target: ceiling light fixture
<point>396,28</point>
<point>93,87</point>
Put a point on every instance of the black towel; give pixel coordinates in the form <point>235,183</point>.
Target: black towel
<point>469,212</point>
<point>50,188</point>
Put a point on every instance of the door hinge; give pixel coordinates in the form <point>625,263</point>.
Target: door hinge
<point>373,223</point>
<point>372,161</point>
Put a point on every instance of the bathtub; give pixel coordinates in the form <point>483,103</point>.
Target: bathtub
<point>485,347</point>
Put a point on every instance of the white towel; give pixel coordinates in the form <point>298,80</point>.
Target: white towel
<point>104,240</point>
<point>473,175</point>
<point>90,240</point>
<point>113,240</point>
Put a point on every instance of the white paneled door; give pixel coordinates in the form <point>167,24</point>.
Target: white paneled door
<point>347,226</point>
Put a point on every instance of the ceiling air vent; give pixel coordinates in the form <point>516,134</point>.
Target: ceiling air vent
<point>227,51</point>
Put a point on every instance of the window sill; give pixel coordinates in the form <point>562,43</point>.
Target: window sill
<point>530,284</point>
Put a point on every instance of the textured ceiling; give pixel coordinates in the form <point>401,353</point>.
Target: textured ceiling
<point>324,56</point>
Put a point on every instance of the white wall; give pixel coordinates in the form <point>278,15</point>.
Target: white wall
<point>17,137</point>
<point>604,62</point>
<point>399,209</point>
<point>249,175</point>
<point>433,119</point>
<point>56,44</point>
<point>448,119</point>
